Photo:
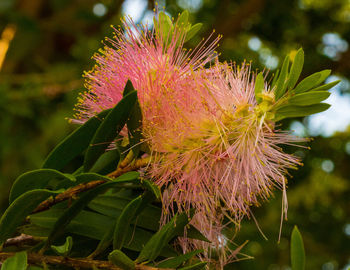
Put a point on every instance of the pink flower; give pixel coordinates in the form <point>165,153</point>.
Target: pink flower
<point>213,148</point>
<point>224,158</point>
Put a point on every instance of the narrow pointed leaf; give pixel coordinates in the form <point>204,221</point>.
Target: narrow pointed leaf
<point>161,238</point>
<point>182,21</point>
<point>107,162</point>
<point>19,210</point>
<point>81,203</point>
<point>197,266</point>
<point>166,27</point>
<point>324,75</point>
<point>134,122</point>
<point>74,144</point>
<point>259,86</point>
<point>300,111</point>
<point>281,85</point>
<point>16,262</point>
<point>123,223</point>
<point>37,179</point>
<point>297,250</point>
<point>296,68</point>
<point>308,98</point>
<point>275,77</point>
<point>64,249</point>
<point>109,129</point>
<point>177,261</point>
<point>151,186</point>
<point>193,31</point>
<point>119,258</point>
<point>193,233</point>
<point>326,86</point>
<point>311,81</point>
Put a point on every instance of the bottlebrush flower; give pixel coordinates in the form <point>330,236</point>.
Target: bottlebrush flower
<point>211,131</point>
<point>225,158</point>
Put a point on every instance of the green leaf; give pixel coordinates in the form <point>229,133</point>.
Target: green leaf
<point>299,111</point>
<point>166,27</point>
<point>182,20</point>
<point>297,250</point>
<point>281,85</point>
<point>109,129</point>
<point>177,261</point>
<point>161,238</point>
<point>309,82</point>
<point>16,262</point>
<point>296,68</point>
<point>74,144</point>
<point>118,258</point>
<point>275,77</point>
<point>193,233</point>
<point>105,242</point>
<point>91,225</point>
<point>91,176</point>
<point>134,122</point>
<point>80,203</point>
<point>193,31</point>
<point>324,75</point>
<point>259,86</point>
<point>37,179</point>
<point>128,88</point>
<point>107,162</point>
<point>86,223</point>
<point>64,249</point>
<point>308,98</point>
<point>19,210</point>
<point>112,206</point>
<point>123,223</point>
<point>151,186</point>
<point>326,86</point>
<point>197,266</point>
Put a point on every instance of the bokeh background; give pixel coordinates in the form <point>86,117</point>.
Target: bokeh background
<point>45,45</point>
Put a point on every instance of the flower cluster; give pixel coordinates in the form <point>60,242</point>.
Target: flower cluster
<point>213,146</point>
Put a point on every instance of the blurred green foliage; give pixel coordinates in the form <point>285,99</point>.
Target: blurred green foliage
<point>54,40</point>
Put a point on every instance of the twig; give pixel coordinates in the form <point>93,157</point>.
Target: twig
<point>34,258</point>
<point>21,240</point>
<point>71,192</point>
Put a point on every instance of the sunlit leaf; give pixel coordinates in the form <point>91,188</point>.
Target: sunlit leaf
<point>281,82</point>
<point>308,98</point>
<point>297,250</point>
<point>259,86</point>
<point>193,31</point>
<point>296,68</point>
<point>326,86</point>
<point>300,111</point>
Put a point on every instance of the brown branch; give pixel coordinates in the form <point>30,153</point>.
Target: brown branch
<point>21,240</point>
<point>72,192</point>
<point>37,259</point>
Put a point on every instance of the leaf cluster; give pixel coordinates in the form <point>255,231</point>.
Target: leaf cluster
<point>116,221</point>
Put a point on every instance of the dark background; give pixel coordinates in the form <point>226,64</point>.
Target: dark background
<point>53,41</point>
